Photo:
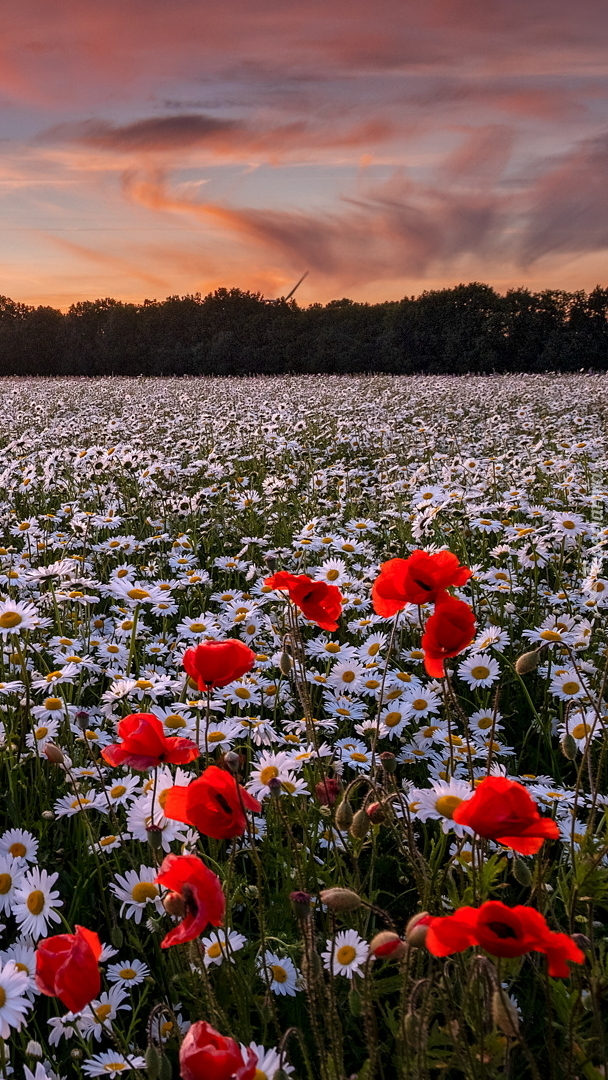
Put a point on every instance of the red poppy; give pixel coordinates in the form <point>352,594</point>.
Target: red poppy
<point>318,601</point>
<point>144,744</point>
<point>449,630</point>
<point>214,664</point>
<point>67,967</point>
<point>214,804</point>
<point>417,580</point>
<point>502,931</point>
<point>207,1055</point>
<point>200,891</point>
<point>501,809</point>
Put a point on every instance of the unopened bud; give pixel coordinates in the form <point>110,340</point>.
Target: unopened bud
<point>340,899</point>
<point>54,754</point>
<point>521,872</point>
<point>344,815</point>
<point>48,815</point>
<point>527,662</point>
<point>504,1014</point>
<point>301,903</point>
<point>116,937</point>
<point>388,946</point>
<point>232,761</point>
<point>275,787</point>
<point>355,1003</point>
<point>166,1068</point>
<point>174,904</point>
<point>568,746</point>
<point>155,837</point>
<point>82,719</point>
<point>285,663</point>
<point>388,761</point>
<point>417,929</point>
<point>582,941</point>
<point>360,825</point>
<point>376,813</point>
<point>152,1062</point>
<point>34,1049</point>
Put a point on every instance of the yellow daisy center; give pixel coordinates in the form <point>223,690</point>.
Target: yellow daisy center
<point>144,890</point>
<point>268,774</point>
<point>35,902</point>
<point>570,687</point>
<point>5,883</point>
<point>446,804</point>
<point>480,671</point>
<point>278,973</point>
<point>214,950</point>
<point>9,619</point>
<point>17,850</point>
<point>346,954</point>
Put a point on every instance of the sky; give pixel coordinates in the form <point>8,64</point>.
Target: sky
<point>161,147</point>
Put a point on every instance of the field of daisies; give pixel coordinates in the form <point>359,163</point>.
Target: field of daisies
<point>303,728</point>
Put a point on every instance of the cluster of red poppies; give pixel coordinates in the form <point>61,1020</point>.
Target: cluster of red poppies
<point>424,579</point>
<point>217,805</point>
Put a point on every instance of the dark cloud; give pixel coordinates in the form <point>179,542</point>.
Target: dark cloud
<point>156,133</point>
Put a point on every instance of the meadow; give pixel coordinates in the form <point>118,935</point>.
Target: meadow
<point>329,916</point>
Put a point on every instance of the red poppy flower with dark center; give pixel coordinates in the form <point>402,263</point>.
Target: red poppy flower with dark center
<point>144,744</point>
<point>501,809</point>
<point>417,580</point>
<point>318,601</point>
<point>214,804</point>
<point>214,664</point>
<point>200,891</point>
<point>449,630</point>
<point>207,1055</point>
<point>502,931</point>
<point>67,967</point>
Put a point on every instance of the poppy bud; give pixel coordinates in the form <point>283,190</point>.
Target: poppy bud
<point>285,663</point>
<point>417,929</point>
<point>521,872</point>
<point>388,945</point>
<point>174,904</point>
<point>340,899</point>
<point>567,746</point>
<point>155,837</point>
<point>388,761</point>
<point>527,662</point>
<point>344,815</point>
<point>504,1014</point>
<point>53,754</point>
<point>355,1004</point>
<point>232,761</point>
<point>82,719</point>
<point>376,813</point>
<point>275,787</point>
<point>116,937</point>
<point>582,941</point>
<point>360,825</point>
<point>152,1062</point>
<point>301,903</point>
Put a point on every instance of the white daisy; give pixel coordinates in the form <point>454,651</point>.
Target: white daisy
<point>136,891</point>
<point>13,1001</point>
<point>20,844</point>
<point>282,974</point>
<point>438,803</point>
<point>268,1062</point>
<point>16,617</point>
<point>479,669</point>
<point>566,685</point>
<point>220,945</point>
<point>35,902</point>
<point>11,873</point>
<point>346,954</point>
<point>127,972</point>
<point>111,1063</point>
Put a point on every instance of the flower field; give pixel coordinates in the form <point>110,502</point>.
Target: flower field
<point>303,729</point>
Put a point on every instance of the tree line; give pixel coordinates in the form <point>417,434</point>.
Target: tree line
<point>468,328</point>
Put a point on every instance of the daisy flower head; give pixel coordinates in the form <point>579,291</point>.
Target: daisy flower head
<point>582,726</point>
<point>99,1014</point>
<point>281,973</point>
<point>20,844</point>
<point>13,1000</point>
<point>112,1063</point>
<point>15,617</point>
<point>11,873</point>
<point>220,945</point>
<point>35,902</point>
<point>438,803</point>
<point>479,670</point>
<point>127,972</point>
<point>566,685</point>
<point>346,954</point>
<point>135,891</point>
<point>268,1062</point>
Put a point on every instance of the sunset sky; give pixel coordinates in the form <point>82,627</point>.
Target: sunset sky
<point>155,147</point>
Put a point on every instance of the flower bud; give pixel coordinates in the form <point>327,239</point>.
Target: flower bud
<point>360,825</point>
<point>116,937</point>
<point>301,903</point>
<point>82,719</point>
<point>527,662</point>
<point>275,787</point>
<point>155,837</point>
<point>344,815</point>
<point>53,754</point>
<point>388,945</point>
<point>34,1049</point>
<point>355,1004</point>
<point>521,872</point>
<point>376,813</point>
<point>417,929</point>
<point>232,761</point>
<point>568,746</point>
<point>582,941</point>
<point>174,904</point>
<point>504,1014</point>
<point>388,761</point>
<point>152,1062</point>
<point>285,663</point>
<point>340,899</point>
